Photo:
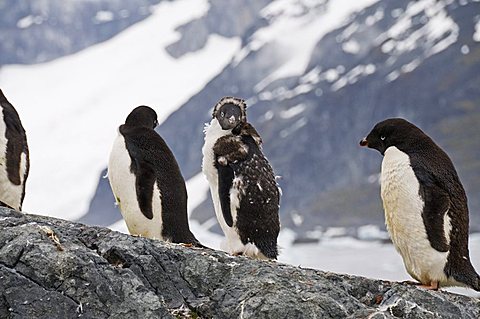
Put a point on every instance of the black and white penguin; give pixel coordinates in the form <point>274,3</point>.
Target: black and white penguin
<point>425,205</point>
<point>146,181</point>
<point>242,183</point>
<point>14,157</point>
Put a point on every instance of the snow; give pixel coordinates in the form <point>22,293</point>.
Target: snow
<point>296,35</point>
<point>362,258</point>
<point>103,16</point>
<point>293,111</point>
<point>71,107</point>
<point>476,35</point>
<point>295,126</point>
<point>374,18</point>
<point>351,46</point>
<point>439,32</point>
<point>28,21</point>
<point>197,189</point>
<point>353,75</point>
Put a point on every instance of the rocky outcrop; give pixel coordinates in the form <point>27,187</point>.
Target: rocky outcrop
<point>50,268</point>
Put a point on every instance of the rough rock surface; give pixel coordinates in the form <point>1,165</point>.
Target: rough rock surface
<point>51,268</point>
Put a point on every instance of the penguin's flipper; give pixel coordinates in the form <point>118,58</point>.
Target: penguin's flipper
<point>144,183</point>
<point>225,181</point>
<point>436,206</point>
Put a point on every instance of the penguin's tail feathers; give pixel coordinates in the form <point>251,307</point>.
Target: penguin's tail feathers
<point>477,286</point>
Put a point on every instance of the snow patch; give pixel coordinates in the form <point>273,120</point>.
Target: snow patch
<point>28,21</point>
<point>351,46</point>
<point>354,75</point>
<point>293,111</point>
<point>103,16</point>
<point>476,35</point>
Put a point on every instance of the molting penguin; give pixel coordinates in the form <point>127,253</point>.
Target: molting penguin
<point>146,181</point>
<point>425,205</point>
<point>14,157</point>
<point>242,183</point>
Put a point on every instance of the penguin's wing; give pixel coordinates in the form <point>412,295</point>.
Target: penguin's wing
<point>436,205</point>
<point>144,183</point>
<point>225,182</point>
<point>144,172</point>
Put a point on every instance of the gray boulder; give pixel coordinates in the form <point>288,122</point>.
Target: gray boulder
<point>51,268</point>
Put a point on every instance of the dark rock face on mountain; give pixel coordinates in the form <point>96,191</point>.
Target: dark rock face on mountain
<point>414,59</point>
<point>50,268</point>
<point>39,31</point>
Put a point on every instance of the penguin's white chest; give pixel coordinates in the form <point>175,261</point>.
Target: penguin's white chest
<point>403,207</point>
<point>233,243</point>
<point>10,193</point>
<point>122,181</point>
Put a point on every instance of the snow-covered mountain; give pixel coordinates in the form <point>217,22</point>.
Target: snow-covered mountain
<point>317,74</point>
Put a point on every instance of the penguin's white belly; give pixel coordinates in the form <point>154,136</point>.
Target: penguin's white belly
<point>122,181</point>
<point>10,193</point>
<point>233,243</point>
<point>403,207</point>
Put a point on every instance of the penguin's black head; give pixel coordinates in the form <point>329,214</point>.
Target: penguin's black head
<point>230,112</point>
<point>143,116</point>
<point>392,132</point>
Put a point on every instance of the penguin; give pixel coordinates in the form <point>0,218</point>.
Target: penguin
<point>146,181</point>
<point>14,157</point>
<point>245,194</point>
<point>425,205</point>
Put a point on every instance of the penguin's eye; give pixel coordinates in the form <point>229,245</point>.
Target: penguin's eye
<point>382,138</point>
<point>222,114</point>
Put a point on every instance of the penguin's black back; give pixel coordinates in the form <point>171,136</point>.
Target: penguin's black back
<point>441,191</point>
<point>153,162</point>
<point>257,216</point>
<point>16,143</point>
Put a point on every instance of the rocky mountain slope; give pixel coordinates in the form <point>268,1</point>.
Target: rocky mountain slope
<point>50,268</point>
<point>318,77</point>
<point>39,31</point>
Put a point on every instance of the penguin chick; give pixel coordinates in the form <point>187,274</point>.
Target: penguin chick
<point>146,181</point>
<point>425,205</point>
<point>14,157</point>
<point>242,183</point>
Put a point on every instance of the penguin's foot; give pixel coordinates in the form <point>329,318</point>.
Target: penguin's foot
<point>186,245</point>
<point>409,282</point>
<point>238,254</point>
<point>433,286</point>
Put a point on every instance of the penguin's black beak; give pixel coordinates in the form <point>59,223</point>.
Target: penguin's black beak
<point>364,142</point>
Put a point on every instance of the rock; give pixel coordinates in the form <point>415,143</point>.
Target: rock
<point>51,268</point>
